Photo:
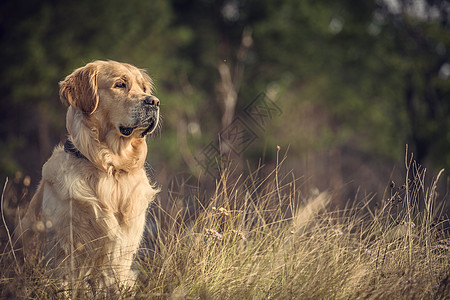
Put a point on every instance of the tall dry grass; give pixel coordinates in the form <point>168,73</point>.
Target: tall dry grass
<point>262,237</point>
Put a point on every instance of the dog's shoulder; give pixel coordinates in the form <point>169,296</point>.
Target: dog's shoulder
<point>65,172</point>
<point>53,166</point>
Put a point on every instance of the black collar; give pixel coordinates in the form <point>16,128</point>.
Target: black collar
<point>70,148</point>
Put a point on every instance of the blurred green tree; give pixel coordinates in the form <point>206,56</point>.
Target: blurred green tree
<point>381,73</point>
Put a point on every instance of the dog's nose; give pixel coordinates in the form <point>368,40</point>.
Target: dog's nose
<point>151,100</point>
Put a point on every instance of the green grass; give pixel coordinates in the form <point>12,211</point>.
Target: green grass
<point>264,238</point>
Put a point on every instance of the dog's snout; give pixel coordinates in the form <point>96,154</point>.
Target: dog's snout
<point>151,100</point>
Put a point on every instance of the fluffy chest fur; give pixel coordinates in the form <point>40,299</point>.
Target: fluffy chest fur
<point>119,201</point>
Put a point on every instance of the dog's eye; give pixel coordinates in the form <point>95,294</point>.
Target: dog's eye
<point>120,85</point>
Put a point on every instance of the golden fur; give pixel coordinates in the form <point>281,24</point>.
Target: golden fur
<point>91,209</point>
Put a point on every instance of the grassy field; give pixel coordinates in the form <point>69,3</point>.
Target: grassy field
<point>264,238</point>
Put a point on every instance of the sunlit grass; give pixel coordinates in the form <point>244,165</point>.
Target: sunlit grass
<point>264,238</point>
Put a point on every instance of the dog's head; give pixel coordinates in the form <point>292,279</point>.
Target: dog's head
<point>117,97</point>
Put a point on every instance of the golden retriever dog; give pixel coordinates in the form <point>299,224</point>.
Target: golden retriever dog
<point>92,200</point>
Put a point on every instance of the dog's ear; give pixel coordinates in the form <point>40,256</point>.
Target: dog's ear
<point>79,89</point>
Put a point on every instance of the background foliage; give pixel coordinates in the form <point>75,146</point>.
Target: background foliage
<point>355,81</point>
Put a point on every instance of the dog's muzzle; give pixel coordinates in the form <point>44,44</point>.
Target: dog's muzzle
<point>146,117</point>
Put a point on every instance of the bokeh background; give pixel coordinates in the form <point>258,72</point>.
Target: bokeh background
<point>346,84</point>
